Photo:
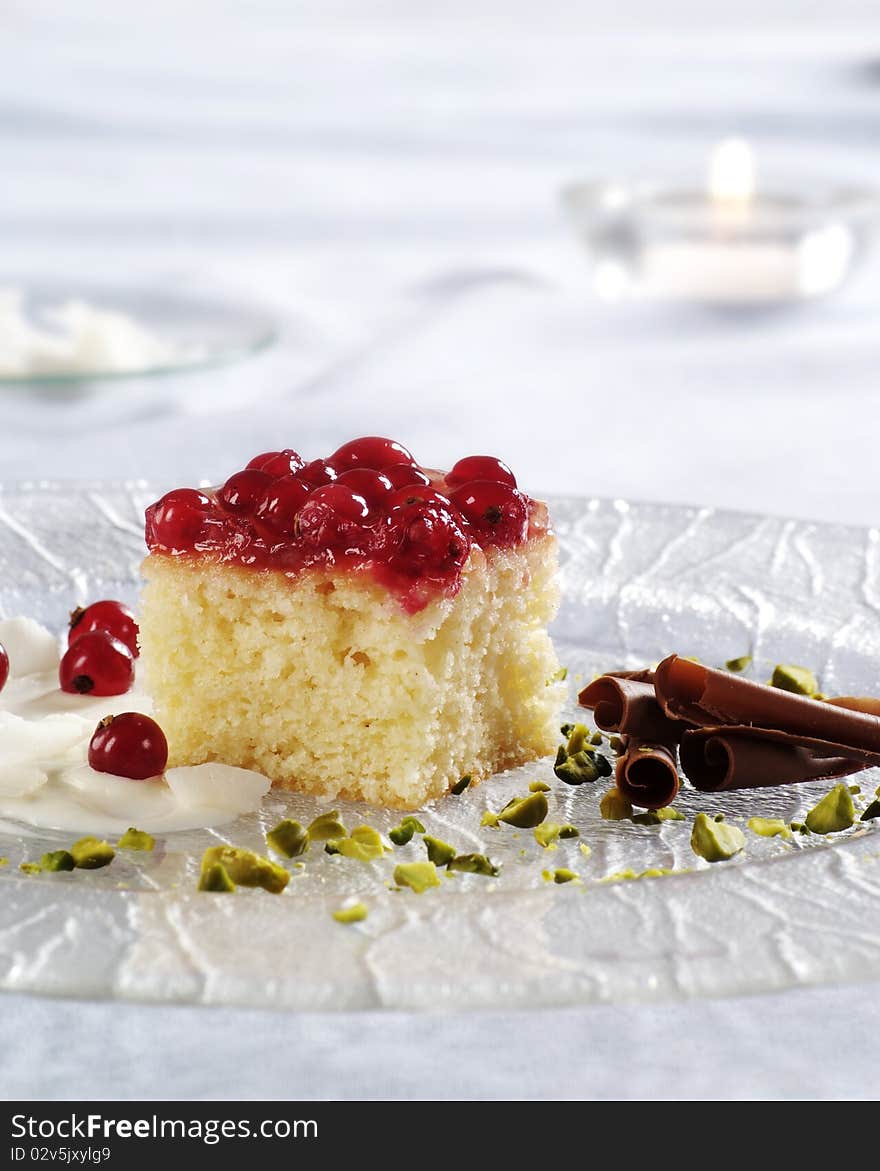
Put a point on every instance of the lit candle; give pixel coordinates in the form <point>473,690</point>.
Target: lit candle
<point>732,243</point>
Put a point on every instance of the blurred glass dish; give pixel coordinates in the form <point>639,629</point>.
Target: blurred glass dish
<point>730,244</point>
<point>62,335</point>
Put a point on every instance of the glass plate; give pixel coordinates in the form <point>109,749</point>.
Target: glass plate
<point>640,580</point>
<point>206,332</point>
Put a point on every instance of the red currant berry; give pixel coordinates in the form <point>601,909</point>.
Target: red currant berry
<point>480,467</point>
<point>129,745</point>
<point>280,503</point>
<point>111,617</point>
<point>371,451</point>
<point>375,487</point>
<point>431,539</point>
<point>4,666</point>
<point>497,512</point>
<point>318,473</point>
<point>419,493</point>
<point>278,463</point>
<point>334,517</point>
<point>179,520</point>
<point>242,492</point>
<point>402,474</point>
<point>97,664</point>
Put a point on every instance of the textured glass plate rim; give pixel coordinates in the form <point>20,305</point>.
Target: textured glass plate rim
<point>263,335</point>
<point>248,972</point>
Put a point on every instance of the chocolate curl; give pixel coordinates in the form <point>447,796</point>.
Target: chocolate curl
<point>706,697</point>
<point>869,704</point>
<point>625,702</point>
<point>730,757</point>
<point>647,774</point>
<point>629,706</point>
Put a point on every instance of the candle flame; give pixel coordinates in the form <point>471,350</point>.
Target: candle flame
<point>732,171</point>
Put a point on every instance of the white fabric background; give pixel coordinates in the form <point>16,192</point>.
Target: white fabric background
<point>384,176</point>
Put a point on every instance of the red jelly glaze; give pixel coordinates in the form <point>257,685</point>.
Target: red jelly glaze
<point>369,507</point>
<point>129,745</point>
<point>4,666</point>
<point>112,617</point>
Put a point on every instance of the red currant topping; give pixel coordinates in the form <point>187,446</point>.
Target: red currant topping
<point>4,666</point>
<point>318,473</point>
<point>242,492</point>
<point>372,451</point>
<point>111,617</point>
<point>375,487</point>
<point>431,540</point>
<point>278,463</point>
<point>497,512</point>
<point>280,503</point>
<point>335,518</point>
<point>402,474</point>
<point>97,664</point>
<point>179,520</point>
<point>480,467</point>
<point>129,745</point>
<point>419,493</point>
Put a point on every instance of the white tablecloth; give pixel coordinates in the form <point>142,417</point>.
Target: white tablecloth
<point>384,177</point>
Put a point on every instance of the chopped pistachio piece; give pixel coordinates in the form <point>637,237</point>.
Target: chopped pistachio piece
<point>91,853</point>
<point>489,819</point>
<point>459,787</point>
<point>616,745</point>
<point>584,767</point>
<point>716,841</point>
<point>356,913</point>
<point>871,812</point>
<point>439,852</point>
<point>634,875</point>
<point>569,831</point>
<point>558,676</point>
<point>769,827</point>
<point>57,860</point>
<point>364,843</point>
<point>833,813</point>
<point>789,677</point>
<point>656,816</point>
<point>525,812</point>
<point>216,878</point>
<point>245,868</point>
<point>566,730</point>
<point>585,849</point>
<point>614,806</point>
<point>30,867</point>
<point>740,664</point>
<point>798,827</point>
<point>546,834</point>
<point>596,738</point>
<point>328,825</point>
<point>4,861</point>
<point>539,787</point>
<point>855,789</point>
<point>473,864</point>
<point>136,839</point>
<point>288,838</point>
<point>560,875</point>
<point>403,833</point>
<point>578,739</point>
<point>418,876</point>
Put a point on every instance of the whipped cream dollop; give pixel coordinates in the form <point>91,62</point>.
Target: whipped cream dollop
<point>45,777</point>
